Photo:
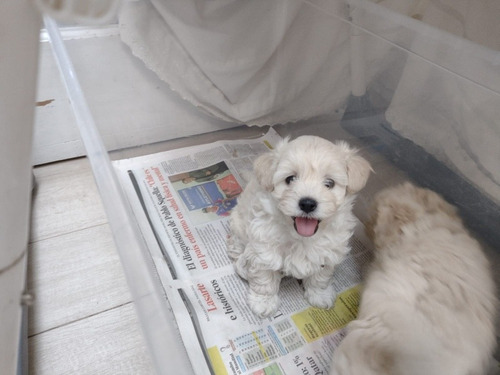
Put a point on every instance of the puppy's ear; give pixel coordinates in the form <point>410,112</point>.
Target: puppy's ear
<point>265,166</point>
<point>358,169</point>
<point>388,220</point>
<point>432,201</point>
<point>262,170</point>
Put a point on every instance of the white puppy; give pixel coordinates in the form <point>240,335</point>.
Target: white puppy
<point>429,304</point>
<point>294,219</point>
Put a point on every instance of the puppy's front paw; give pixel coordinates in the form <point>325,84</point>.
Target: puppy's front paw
<point>323,298</point>
<point>263,305</point>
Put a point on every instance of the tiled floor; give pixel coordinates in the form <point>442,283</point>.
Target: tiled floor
<point>83,320</point>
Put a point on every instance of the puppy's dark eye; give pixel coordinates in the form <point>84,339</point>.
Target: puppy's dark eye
<point>329,183</point>
<point>290,179</point>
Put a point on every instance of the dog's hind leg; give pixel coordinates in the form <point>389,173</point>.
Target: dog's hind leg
<point>240,264</point>
<point>235,247</point>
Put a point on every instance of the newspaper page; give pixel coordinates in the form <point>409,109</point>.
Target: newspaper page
<point>182,200</point>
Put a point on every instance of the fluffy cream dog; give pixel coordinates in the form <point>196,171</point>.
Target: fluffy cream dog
<point>429,302</point>
<point>294,219</point>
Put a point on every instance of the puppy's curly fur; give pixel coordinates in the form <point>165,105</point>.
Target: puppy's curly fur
<point>294,219</point>
<point>429,303</point>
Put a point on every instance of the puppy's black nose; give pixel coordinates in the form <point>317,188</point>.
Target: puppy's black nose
<point>308,205</point>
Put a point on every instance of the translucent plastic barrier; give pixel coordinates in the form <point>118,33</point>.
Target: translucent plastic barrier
<point>151,305</point>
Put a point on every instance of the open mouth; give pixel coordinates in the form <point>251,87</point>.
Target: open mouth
<point>305,226</point>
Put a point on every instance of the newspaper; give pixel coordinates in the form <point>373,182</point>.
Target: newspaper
<point>182,200</point>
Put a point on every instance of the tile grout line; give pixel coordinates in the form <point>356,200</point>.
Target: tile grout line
<point>31,241</point>
<point>80,319</point>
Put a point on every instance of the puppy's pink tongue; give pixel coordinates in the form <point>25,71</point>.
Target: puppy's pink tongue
<point>306,227</point>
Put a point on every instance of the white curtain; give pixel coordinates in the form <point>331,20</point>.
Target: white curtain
<point>258,62</point>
